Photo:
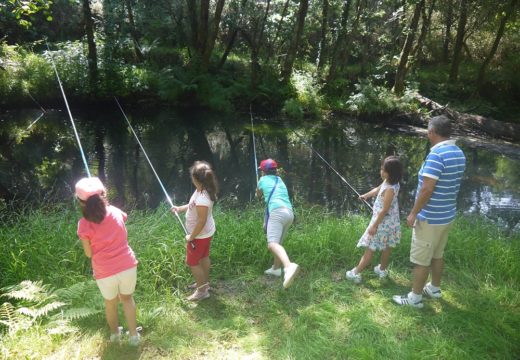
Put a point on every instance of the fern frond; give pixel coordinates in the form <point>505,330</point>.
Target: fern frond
<point>29,291</point>
<point>78,313</point>
<point>36,312</point>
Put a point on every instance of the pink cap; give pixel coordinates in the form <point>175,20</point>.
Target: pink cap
<point>87,187</point>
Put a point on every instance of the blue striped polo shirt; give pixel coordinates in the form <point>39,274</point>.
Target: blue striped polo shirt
<point>445,163</point>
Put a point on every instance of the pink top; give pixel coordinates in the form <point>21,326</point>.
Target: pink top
<point>108,240</point>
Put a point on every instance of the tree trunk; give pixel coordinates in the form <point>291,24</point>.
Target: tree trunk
<point>133,31</point>
<point>231,41</point>
<point>203,31</point>
<point>229,47</point>
<point>212,36</point>
<point>341,39</point>
<point>459,42</point>
<point>295,43</point>
<point>426,20</point>
<point>278,29</point>
<point>344,52</point>
<point>323,49</point>
<point>92,51</point>
<point>501,29</point>
<point>447,34</point>
<point>407,47</point>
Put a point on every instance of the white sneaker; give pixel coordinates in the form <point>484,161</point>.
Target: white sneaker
<point>290,273</point>
<point>117,336</point>
<point>352,276</point>
<point>134,340</point>
<point>434,294</point>
<point>273,272</point>
<point>407,300</point>
<point>381,273</point>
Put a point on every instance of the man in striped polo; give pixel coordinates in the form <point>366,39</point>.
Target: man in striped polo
<point>433,212</point>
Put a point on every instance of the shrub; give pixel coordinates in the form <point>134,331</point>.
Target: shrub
<point>370,99</point>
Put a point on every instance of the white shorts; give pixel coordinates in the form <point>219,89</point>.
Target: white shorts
<point>120,283</point>
<point>280,219</point>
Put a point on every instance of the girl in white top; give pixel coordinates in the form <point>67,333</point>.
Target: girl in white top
<point>200,226</point>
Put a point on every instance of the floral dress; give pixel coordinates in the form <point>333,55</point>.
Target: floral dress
<point>389,231</point>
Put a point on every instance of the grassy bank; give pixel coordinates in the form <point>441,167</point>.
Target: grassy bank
<point>250,315</point>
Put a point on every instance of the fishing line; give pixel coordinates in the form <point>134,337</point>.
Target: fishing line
<point>36,102</point>
<point>153,169</point>
<point>35,121</point>
<point>70,114</point>
<point>332,168</point>
<point>254,145</point>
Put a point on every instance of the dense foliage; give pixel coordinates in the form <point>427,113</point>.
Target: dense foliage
<point>303,57</point>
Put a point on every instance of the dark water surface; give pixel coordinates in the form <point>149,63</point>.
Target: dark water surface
<point>44,162</point>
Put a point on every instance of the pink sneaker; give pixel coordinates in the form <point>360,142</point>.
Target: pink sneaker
<point>201,293</point>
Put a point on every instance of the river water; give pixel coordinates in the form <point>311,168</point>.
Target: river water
<point>43,162</point>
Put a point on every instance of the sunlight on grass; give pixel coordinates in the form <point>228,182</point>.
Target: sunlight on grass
<point>250,316</point>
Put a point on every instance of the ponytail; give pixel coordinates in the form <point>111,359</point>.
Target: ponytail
<point>95,208</point>
<point>204,174</point>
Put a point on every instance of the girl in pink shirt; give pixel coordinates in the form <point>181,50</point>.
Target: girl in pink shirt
<point>200,226</point>
<point>103,234</point>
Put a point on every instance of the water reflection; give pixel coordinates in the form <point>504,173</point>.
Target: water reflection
<point>45,161</point>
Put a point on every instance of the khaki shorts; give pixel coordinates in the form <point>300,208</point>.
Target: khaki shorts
<point>428,242</point>
<point>120,283</point>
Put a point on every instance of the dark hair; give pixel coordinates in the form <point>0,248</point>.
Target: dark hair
<point>441,125</point>
<point>204,174</point>
<point>271,171</point>
<point>393,167</point>
<point>94,209</point>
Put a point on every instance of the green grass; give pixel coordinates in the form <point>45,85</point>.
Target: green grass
<point>249,315</point>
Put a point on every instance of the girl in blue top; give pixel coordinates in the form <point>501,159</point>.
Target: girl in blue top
<point>278,218</point>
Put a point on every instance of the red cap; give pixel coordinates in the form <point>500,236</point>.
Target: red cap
<point>268,164</point>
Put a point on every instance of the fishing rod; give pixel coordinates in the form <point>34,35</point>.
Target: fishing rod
<point>254,145</point>
<point>332,168</point>
<point>153,169</point>
<point>70,114</point>
<point>34,122</point>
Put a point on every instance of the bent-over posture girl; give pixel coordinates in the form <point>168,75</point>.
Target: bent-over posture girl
<point>103,234</point>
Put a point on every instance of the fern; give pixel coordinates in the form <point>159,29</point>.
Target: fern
<point>29,291</point>
<point>38,303</point>
<point>78,313</point>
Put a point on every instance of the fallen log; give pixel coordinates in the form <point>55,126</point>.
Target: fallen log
<point>469,123</point>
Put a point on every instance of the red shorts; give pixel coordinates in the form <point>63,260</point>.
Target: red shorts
<point>193,256</point>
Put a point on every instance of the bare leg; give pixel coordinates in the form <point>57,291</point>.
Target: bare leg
<point>385,258</point>
<point>277,263</point>
<point>279,254</point>
<point>365,260</point>
<point>437,269</point>
<point>111,314</point>
<point>199,274</point>
<point>129,310</point>
<point>420,275</point>
<point>205,263</point>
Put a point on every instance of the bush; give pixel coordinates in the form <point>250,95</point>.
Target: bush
<point>370,99</point>
<point>308,100</point>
